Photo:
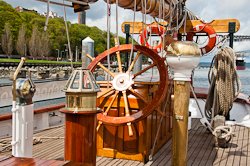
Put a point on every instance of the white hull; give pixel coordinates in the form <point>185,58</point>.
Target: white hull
<point>240,112</point>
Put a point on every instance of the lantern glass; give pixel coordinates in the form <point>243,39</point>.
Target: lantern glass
<point>81,80</point>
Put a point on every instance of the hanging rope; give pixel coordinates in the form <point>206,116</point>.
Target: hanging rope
<point>108,38</point>
<point>47,17</point>
<point>132,50</point>
<point>224,84</point>
<point>67,33</point>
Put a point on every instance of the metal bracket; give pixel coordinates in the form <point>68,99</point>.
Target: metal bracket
<point>179,117</point>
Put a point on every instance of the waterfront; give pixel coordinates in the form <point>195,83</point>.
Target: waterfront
<point>200,80</point>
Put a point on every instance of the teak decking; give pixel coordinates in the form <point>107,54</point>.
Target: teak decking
<point>200,150</point>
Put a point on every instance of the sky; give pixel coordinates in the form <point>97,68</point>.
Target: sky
<point>206,9</point>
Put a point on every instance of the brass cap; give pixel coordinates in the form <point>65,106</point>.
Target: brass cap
<point>186,48</point>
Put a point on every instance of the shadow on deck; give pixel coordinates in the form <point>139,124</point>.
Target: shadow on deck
<point>201,150</point>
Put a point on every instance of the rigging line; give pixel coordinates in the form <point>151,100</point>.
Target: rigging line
<point>185,21</point>
<point>164,34</point>
<point>145,11</point>
<point>47,17</point>
<point>117,35</point>
<point>182,21</point>
<point>142,12</point>
<point>143,4</point>
<point>159,14</point>
<point>108,37</point>
<point>170,16</point>
<point>132,50</point>
<point>67,34</point>
<point>177,17</point>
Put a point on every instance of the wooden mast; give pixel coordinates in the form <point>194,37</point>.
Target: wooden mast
<point>180,122</point>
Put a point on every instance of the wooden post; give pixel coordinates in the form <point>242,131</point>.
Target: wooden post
<point>180,122</point>
<point>80,137</point>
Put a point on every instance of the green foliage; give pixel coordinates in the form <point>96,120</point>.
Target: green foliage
<point>7,40</point>
<point>56,30</point>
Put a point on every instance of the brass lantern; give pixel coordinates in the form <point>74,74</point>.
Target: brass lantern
<point>81,91</point>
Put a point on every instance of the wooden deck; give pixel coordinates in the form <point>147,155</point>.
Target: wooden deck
<point>201,149</point>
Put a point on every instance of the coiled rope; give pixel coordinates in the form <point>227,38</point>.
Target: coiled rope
<point>224,84</point>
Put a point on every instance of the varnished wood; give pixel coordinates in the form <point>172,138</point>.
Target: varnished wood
<point>14,161</point>
<point>115,141</point>
<point>105,92</point>
<point>80,137</point>
<point>101,66</point>
<point>201,150</point>
<point>219,25</point>
<point>133,62</point>
<point>145,69</point>
<point>118,56</point>
<point>180,122</point>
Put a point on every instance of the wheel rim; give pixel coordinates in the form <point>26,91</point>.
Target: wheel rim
<point>120,77</point>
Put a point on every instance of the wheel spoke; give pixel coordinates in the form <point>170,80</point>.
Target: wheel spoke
<point>130,131</point>
<point>144,70</point>
<point>133,62</point>
<point>105,92</point>
<point>146,83</point>
<point>125,103</point>
<point>101,66</point>
<point>104,82</point>
<point>118,57</point>
<point>138,95</point>
<point>107,110</point>
<point>111,103</point>
<point>99,125</point>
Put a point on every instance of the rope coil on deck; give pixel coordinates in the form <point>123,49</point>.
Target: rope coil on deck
<point>224,84</point>
<point>223,135</point>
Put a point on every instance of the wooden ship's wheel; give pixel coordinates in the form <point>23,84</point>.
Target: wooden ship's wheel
<point>122,89</point>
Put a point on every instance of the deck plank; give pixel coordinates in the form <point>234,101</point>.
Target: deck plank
<point>229,157</point>
<point>248,148</point>
<point>204,152</point>
<point>168,154</point>
<point>243,159</point>
<point>238,151</point>
<point>201,150</point>
<point>111,163</point>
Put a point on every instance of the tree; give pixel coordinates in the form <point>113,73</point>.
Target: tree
<point>56,31</point>
<point>21,41</point>
<point>43,46</point>
<point>33,43</point>
<point>7,41</point>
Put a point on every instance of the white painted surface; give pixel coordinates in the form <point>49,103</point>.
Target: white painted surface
<point>240,112</point>
<point>182,66</point>
<point>22,140</point>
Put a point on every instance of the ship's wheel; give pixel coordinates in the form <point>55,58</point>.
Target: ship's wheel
<point>122,85</point>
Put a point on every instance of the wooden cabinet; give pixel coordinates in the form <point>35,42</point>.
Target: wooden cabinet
<point>115,142</point>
